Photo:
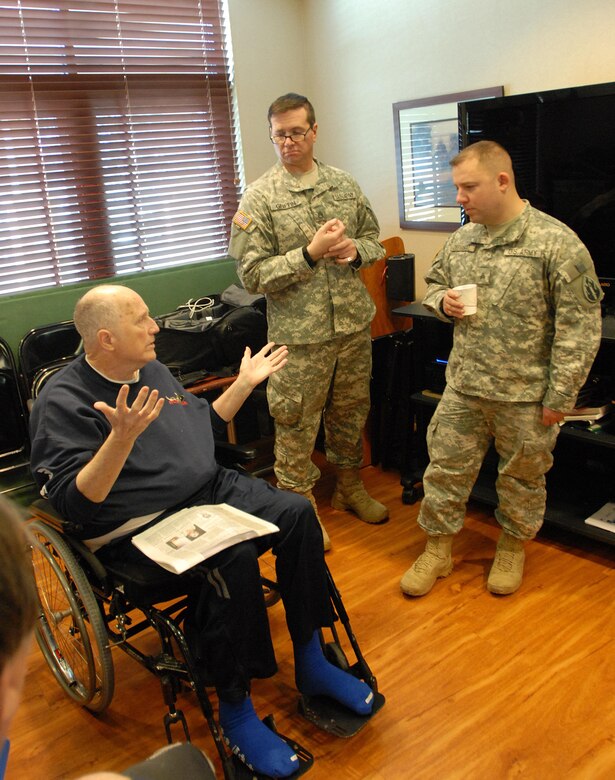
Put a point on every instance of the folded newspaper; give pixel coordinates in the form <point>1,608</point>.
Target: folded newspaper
<point>192,535</point>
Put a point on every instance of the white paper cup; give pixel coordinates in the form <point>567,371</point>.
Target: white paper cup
<point>467,296</point>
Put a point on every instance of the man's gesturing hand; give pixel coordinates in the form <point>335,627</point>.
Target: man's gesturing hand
<point>256,368</point>
<point>97,478</point>
<point>129,422</point>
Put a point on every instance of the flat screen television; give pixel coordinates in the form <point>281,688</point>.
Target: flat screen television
<point>562,144</point>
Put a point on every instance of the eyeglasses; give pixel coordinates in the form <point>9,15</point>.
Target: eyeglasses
<point>280,140</point>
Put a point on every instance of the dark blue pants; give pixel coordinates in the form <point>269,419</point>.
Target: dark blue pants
<point>227,625</point>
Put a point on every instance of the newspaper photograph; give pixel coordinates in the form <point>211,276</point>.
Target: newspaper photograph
<point>194,534</point>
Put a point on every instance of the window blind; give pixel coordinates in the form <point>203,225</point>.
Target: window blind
<point>118,139</point>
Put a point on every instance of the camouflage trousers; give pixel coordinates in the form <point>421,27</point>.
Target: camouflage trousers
<point>329,382</point>
<point>458,437</point>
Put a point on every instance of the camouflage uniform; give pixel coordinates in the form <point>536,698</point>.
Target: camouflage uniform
<point>322,314</point>
<point>530,344</point>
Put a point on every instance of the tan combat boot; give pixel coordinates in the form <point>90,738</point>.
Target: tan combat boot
<point>350,493</point>
<point>310,497</point>
<point>435,562</point>
<point>507,570</point>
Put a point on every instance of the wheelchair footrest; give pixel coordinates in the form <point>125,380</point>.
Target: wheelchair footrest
<point>331,716</point>
<point>306,759</point>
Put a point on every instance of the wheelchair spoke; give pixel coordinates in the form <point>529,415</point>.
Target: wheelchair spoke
<point>62,633</point>
<point>76,651</point>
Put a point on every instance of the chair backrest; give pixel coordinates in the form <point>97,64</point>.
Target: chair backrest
<point>14,440</point>
<point>374,279</point>
<point>45,349</point>
<point>393,246</point>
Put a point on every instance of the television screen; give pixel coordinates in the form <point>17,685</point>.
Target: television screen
<point>562,143</point>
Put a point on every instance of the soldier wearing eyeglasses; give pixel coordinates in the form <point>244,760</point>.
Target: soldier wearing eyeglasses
<point>301,233</point>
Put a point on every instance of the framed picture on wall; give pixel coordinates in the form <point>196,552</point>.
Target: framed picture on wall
<point>426,139</point>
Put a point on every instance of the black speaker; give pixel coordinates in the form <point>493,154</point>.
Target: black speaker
<point>435,375</point>
<point>400,277</point>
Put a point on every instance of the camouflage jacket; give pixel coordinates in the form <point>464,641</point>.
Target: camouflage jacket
<point>275,221</point>
<point>538,325</point>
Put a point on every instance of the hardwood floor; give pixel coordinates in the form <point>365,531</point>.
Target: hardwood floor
<point>477,686</point>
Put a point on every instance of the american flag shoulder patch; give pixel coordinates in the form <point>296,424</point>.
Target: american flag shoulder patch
<point>242,220</point>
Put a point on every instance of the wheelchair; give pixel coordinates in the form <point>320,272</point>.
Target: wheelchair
<point>87,609</point>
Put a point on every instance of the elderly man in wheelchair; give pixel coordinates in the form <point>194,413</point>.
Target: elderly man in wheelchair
<point>118,445</point>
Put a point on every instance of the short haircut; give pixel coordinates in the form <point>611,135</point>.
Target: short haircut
<point>488,153</point>
<point>18,597</point>
<point>290,102</point>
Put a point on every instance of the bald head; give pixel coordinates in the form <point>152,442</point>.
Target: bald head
<point>119,335</point>
<point>102,307</point>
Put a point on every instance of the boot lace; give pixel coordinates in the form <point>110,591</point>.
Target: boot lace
<point>506,560</point>
<point>426,561</point>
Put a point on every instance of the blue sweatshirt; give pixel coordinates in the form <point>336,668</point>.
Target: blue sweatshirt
<point>170,461</point>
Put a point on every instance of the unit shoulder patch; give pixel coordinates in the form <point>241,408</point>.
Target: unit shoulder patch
<point>591,289</point>
<point>585,288</point>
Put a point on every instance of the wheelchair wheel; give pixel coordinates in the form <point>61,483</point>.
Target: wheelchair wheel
<point>70,630</point>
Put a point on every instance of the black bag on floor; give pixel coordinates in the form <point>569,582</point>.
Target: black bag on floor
<point>187,343</point>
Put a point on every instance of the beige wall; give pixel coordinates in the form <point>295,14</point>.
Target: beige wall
<point>355,58</point>
<point>269,48</point>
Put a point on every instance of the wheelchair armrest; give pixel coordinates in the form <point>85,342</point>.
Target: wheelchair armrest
<point>42,509</point>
